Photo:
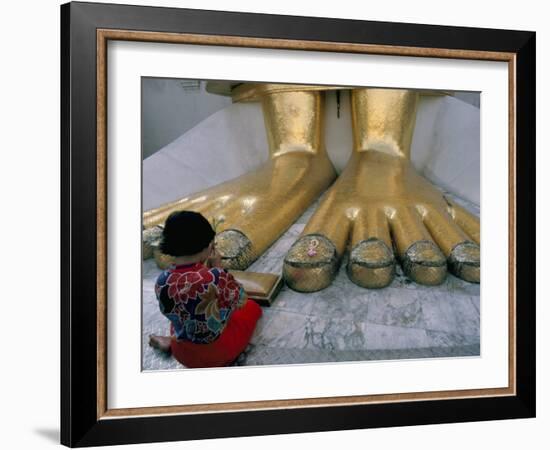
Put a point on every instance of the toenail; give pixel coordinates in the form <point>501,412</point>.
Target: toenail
<point>371,264</point>
<point>235,249</point>
<point>464,261</point>
<point>305,270</point>
<point>151,238</point>
<point>424,263</point>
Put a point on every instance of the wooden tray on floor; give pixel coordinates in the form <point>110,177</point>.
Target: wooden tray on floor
<point>260,287</point>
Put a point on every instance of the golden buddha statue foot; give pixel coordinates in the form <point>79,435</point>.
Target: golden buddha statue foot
<point>250,212</point>
<point>380,207</point>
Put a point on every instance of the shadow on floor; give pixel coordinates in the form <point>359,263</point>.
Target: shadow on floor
<point>50,434</point>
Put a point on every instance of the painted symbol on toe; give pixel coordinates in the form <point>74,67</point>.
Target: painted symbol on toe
<point>314,243</point>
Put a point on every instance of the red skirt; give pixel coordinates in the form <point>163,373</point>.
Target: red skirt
<point>229,345</point>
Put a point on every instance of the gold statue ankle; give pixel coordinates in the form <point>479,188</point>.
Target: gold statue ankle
<point>253,210</point>
<point>380,205</point>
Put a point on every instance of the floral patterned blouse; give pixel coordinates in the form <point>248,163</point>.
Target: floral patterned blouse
<point>198,300</point>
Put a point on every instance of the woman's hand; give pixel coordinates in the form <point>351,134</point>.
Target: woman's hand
<point>214,259</point>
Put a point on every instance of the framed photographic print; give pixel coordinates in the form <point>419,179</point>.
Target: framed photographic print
<point>277,224</point>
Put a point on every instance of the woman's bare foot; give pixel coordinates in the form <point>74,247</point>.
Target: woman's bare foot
<point>161,343</point>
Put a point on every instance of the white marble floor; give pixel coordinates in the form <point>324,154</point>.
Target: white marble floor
<point>343,322</point>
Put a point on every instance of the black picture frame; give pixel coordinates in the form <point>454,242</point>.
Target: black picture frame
<point>81,425</point>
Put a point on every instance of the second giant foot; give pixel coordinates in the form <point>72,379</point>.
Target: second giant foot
<point>387,213</point>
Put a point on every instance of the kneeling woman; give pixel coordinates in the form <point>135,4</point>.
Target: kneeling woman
<point>211,319</point>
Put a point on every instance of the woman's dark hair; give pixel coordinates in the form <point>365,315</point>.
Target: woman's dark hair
<point>186,233</point>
